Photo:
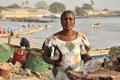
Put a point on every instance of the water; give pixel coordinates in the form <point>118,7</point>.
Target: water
<point>104,37</point>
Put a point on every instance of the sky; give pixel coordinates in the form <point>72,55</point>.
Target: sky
<point>70,4</point>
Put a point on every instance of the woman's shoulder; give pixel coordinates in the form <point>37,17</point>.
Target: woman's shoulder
<point>49,40</point>
<point>56,34</point>
<point>50,37</point>
<point>82,35</point>
<point>53,36</point>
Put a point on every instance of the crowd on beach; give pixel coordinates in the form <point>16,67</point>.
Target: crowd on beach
<point>4,30</point>
<point>11,30</point>
<point>21,29</point>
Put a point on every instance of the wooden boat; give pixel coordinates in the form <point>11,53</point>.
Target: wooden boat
<point>111,70</point>
<point>99,74</point>
<point>35,30</point>
<point>99,53</point>
<point>96,25</point>
<point>32,31</point>
<point>5,35</point>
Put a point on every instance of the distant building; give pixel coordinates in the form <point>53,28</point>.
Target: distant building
<point>97,12</point>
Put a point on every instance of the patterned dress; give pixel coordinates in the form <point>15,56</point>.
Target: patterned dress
<point>71,54</point>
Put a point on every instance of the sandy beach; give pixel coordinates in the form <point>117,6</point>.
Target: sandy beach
<point>36,76</point>
<point>34,44</point>
<point>16,41</point>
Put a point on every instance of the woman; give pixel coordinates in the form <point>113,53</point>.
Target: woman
<point>66,49</point>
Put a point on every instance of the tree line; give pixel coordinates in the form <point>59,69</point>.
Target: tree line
<point>55,7</point>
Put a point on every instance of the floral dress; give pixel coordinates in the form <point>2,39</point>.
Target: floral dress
<point>71,54</point>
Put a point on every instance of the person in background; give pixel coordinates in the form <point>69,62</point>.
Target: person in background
<point>24,42</point>
<point>66,49</point>
<point>9,30</point>
<point>0,30</point>
<point>4,31</point>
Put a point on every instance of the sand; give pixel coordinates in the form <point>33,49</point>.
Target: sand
<point>16,41</point>
<point>33,43</point>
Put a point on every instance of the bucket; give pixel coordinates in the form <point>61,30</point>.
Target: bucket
<point>20,55</point>
<point>35,63</point>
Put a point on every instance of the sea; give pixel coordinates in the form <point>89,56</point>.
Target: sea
<point>106,36</point>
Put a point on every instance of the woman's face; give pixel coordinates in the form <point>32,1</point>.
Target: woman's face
<point>68,21</point>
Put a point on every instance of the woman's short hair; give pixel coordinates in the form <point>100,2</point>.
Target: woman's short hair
<point>66,12</point>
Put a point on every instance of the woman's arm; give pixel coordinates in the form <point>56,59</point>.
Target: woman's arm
<point>46,56</point>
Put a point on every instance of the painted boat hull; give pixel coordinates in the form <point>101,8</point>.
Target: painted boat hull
<point>32,31</point>
<point>99,53</point>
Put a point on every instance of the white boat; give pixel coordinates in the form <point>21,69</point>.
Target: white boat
<point>96,25</point>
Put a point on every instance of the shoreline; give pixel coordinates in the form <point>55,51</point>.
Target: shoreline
<point>35,43</point>
<point>16,41</point>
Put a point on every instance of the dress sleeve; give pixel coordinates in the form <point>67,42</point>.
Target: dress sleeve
<point>85,47</point>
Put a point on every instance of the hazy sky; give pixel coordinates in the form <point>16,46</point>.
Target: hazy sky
<point>70,4</point>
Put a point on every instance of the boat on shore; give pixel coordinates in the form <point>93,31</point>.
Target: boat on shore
<point>31,31</point>
<point>99,53</point>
